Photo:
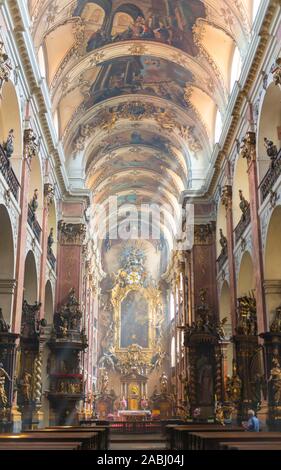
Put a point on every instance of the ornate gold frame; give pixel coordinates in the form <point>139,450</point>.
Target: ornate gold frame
<point>153,297</point>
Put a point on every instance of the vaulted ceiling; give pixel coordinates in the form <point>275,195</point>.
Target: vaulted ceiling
<point>137,87</point>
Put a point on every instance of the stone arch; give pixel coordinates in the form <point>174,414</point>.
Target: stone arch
<point>10,118</point>
<point>7,264</point>
<point>272,264</point>
<point>49,303</point>
<point>36,182</point>
<point>268,124</point>
<point>225,312</point>
<point>246,281</point>
<point>30,292</point>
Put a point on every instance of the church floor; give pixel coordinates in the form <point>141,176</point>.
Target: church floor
<point>137,442</point>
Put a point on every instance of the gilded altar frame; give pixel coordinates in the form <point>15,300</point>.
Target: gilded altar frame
<point>153,296</point>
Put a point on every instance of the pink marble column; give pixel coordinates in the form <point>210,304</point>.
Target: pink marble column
<point>249,152</point>
<point>48,200</point>
<point>28,154</point>
<point>227,202</point>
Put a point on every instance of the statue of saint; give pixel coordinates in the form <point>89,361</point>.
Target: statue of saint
<point>223,242</point>
<point>164,384</point>
<point>3,377</point>
<point>244,204</point>
<point>51,239</point>
<point>104,383</point>
<point>9,144</point>
<point>275,379</point>
<point>271,151</point>
<point>26,385</point>
<point>34,202</point>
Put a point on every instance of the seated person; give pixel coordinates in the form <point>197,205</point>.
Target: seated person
<point>253,423</point>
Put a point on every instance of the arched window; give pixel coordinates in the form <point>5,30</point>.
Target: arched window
<point>41,60</point>
<point>56,122</point>
<point>218,127</point>
<point>256,5</point>
<point>121,22</point>
<point>235,68</point>
<point>173,352</point>
<point>172,306</point>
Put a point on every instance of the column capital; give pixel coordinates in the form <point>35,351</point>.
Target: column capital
<point>71,234</point>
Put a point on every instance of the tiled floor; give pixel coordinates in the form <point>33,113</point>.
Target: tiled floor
<point>137,442</point>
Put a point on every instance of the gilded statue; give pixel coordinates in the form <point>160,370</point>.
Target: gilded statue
<point>104,382</point>
<point>26,385</point>
<point>3,377</point>
<point>233,386</point>
<point>219,413</point>
<point>275,379</point>
<point>164,383</point>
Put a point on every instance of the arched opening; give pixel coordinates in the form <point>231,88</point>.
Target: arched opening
<point>269,126</point>
<point>121,22</point>
<point>246,282</point>
<point>30,292</point>
<point>7,282</point>
<point>49,304</point>
<point>41,61</point>
<point>255,9</point>
<point>225,312</point>
<point>235,68</point>
<point>173,352</point>
<point>10,118</point>
<point>272,263</point>
<point>240,181</point>
<point>218,127</point>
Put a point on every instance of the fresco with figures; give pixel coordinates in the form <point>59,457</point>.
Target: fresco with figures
<point>165,21</point>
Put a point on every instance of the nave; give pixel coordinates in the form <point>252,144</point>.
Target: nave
<point>140,221</point>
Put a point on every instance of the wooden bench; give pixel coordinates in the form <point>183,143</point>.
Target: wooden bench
<point>31,446</point>
<point>103,432</point>
<point>177,435</point>
<point>250,446</point>
<point>89,440</point>
<point>213,440</point>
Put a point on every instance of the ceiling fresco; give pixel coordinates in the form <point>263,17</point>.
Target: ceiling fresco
<point>140,75</point>
<point>137,89</point>
<point>169,22</point>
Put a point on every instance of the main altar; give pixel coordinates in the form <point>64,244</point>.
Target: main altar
<point>133,349</point>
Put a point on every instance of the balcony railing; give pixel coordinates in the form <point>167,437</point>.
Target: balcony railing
<point>8,173</point>
<point>34,224</point>
<point>271,177</point>
<point>51,258</point>
<point>242,225</point>
<point>222,259</point>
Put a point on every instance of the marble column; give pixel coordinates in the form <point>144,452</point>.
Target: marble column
<point>30,149</point>
<point>248,151</point>
<point>227,202</point>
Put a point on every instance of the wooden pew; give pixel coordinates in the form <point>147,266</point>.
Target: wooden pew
<point>177,435</point>
<point>31,446</point>
<point>103,433</point>
<point>250,446</point>
<point>212,440</point>
<point>89,441</point>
